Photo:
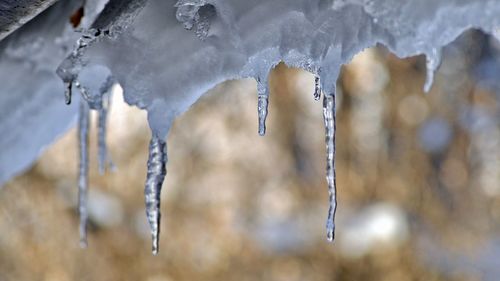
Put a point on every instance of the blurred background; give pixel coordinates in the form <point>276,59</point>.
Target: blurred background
<point>418,183</point>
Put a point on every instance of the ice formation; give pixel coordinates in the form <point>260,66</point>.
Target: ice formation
<point>156,175</point>
<point>83,172</point>
<point>164,68</point>
<point>262,104</point>
<point>330,130</point>
<point>433,60</point>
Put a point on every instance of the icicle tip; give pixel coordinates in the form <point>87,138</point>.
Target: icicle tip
<point>67,93</point>
<point>155,246</point>
<point>83,243</point>
<point>330,233</point>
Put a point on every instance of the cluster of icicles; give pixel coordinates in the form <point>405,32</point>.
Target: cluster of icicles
<point>157,160</point>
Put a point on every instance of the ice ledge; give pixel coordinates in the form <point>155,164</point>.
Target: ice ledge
<point>172,67</point>
<point>164,68</point>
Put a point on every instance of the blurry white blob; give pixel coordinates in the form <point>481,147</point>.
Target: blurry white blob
<point>379,226</point>
<point>105,209</point>
<point>496,33</point>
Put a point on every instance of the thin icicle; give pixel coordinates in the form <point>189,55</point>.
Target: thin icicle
<point>433,61</point>
<point>104,158</point>
<point>317,88</point>
<point>156,175</point>
<point>262,104</point>
<point>67,92</point>
<point>330,129</point>
<point>83,91</point>
<point>83,139</point>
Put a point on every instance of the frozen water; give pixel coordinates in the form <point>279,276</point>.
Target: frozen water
<point>316,34</point>
<point>262,104</point>
<point>433,60</point>
<point>104,158</point>
<point>31,114</point>
<point>164,69</point>
<point>83,171</point>
<point>156,175</point>
<point>317,88</point>
<point>197,14</point>
<point>330,129</point>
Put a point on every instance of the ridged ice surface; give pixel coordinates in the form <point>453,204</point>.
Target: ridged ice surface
<point>164,68</point>
<point>157,171</point>
<point>262,104</point>
<point>330,130</point>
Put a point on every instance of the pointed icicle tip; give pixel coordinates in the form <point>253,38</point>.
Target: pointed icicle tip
<point>330,234</point>
<point>83,139</point>
<point>157,171</point>
<point>317,88</point>
<point>67,92</point>
<point>433,61</point>
<point>262,104</point>
<point>330,132</point>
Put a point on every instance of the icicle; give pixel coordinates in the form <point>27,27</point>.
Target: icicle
<point>156,174</point>
<point>67,92</point>
<point>262,104</point>
<point>104,159</point>
<point>433,60</point>
<point>70,67</point>
<point>83,91</point>
<point>83,135</point>
<point>317,88</point>
<point>330,128</point>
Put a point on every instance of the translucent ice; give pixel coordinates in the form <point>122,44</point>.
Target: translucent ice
<point>104,158</point>
<point>262,104</point>
<point>433,60</point>
<point>317,88</point>
<point>83,171</point>
<point>164,69</point>
<point>330,130</point>
<point>156,175</point>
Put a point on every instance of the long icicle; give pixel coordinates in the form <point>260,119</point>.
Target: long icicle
<point>104,158</point>
<point>83,139</point>
<point>156,175</point>
<point>262,104</point>
<point>330,129</point>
